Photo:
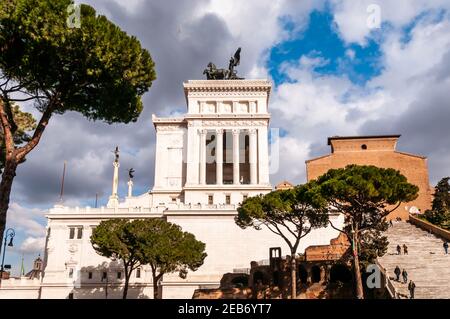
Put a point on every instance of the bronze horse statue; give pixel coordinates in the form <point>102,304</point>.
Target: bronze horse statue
<point>213,73</point>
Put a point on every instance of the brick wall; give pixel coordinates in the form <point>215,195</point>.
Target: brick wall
<point>379,152</point>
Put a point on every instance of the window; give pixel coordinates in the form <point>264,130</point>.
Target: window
<point>80,233</point>
<point>70,272</point>
<point>104,275</point>
<point>138,273</point>
<point>210,199</point>
<point>78,230</point>
<point>90,275</point>
<point>119,274</point>
<point>70,295</point>
<point>174,199</point>
<point>72,233</point>
<point>228,199</point>
<point>364,146</point>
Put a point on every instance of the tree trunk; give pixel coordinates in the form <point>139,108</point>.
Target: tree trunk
<point>14,155</point>
<point>5,190</point>
<point>155,288</point>
<point>293,277</point>
<point>125,288</point>
<point>128,271</point>
<point>358,279</point>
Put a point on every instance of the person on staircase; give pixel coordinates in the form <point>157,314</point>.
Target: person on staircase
<point>405,249</point>
<point>445,245</point>
<point>399,250</point>
<point>411,288</point>
<point>397,273</point>
<point>405,276</point>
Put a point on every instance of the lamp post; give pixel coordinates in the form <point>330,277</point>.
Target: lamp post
<point>9,233</point>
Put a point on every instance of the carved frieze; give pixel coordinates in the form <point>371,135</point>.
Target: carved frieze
<point>238,123</point>
<point>170,128</point>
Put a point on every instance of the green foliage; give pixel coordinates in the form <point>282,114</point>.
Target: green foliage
<point>169,249</point>
<point>124,240</point>
<point>291,214</point>
<point>97,69</point>
<point>162,245</point>
<point>121,239</point>
<point>365,195</point>
<point>25,123</point>
<point>367,187</point>
<point>440,212</point>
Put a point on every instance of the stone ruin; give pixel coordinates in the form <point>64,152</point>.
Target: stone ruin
<point>323,272</point>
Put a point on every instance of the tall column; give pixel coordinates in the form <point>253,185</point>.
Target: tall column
<point>263,157</point>
<point>219,156</point>
<point>236,157</point>
<point>192,153</point>
<point>253,157</point>
<point>114,198</point>
<point>130,188</point>
<point>202,157</point>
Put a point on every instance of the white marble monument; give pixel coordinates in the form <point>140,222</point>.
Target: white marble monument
<point>206,163</point>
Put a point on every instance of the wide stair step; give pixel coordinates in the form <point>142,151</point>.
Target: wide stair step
<point>426,263</point>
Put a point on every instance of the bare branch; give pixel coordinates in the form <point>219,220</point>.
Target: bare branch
<point>283,236</point>
<point>43,122</point>
<point>390,211</point>
<point>340,230</point>
<point>29,98</point>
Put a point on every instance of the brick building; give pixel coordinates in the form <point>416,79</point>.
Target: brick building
<point>378,151</point>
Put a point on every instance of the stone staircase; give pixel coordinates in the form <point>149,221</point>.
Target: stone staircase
<point>426,263</point>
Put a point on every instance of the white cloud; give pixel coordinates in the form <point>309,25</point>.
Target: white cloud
<point>312,108</point>
<point>350,53</point>
<point>32,245</point>
<point>352,17</point>
<point>28,220</point>
<point>317,106</point>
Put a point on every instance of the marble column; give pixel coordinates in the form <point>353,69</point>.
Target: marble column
<point>236,157</point>
<point>114,198</point>
<point>253,155</point>
<point>202,157</point>
<point>130,188</point>
<point>263,158</point>
<point>219,156</point>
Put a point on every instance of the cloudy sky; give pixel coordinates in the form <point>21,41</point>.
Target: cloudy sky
<point>338,68</point>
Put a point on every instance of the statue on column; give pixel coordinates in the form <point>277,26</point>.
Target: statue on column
<point>114,198</point>
<point>131,173</point>
<point>130,182</point>
<point>116,153</point>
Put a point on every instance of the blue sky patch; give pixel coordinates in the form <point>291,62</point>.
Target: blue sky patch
<point>321,39</point>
